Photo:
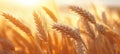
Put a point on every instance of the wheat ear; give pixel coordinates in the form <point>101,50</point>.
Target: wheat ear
<point>17,23</point>
<point>88,16</point>
<point>40,26</point>
<point>50,13</point>
<point>72,33</point>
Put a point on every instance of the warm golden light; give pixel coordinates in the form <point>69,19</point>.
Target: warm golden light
<point>28,2</point>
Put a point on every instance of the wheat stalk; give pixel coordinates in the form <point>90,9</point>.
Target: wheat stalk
<point>88,16</point>
<point>50,13</point>
<point>17,23</point>
<point>88,28</point>
<point>100,28</point>
<point>40,26</point>
<point>72,33</point>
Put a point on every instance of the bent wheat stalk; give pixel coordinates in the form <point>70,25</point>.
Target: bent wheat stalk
<point>88,16</point>
<point>72,33</point>
<point>17,23</point>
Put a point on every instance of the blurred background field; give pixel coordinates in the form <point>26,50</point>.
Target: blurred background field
<point>59,27</point>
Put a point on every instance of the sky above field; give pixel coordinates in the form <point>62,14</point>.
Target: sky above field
<point>27,5</point>
<point>106,2</point>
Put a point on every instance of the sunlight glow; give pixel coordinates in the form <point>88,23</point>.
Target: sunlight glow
<point>28,2</point>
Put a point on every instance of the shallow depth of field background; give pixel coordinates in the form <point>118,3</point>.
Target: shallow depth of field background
<point>53,27</point>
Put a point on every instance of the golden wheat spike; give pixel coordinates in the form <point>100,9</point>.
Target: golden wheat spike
<point>72,33</point>
<point>67,30</point>
<point>40,27</point>
<point>88,28</point>
<point>17,23</point>
<point>88,16</point>
<point>50,13</point>
<point>114,39</point>
<point>101,28</point>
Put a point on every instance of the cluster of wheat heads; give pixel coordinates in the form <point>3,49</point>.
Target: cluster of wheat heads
<point>90,37</point>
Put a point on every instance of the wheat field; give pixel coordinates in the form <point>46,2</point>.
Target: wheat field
<point>77,31</point>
